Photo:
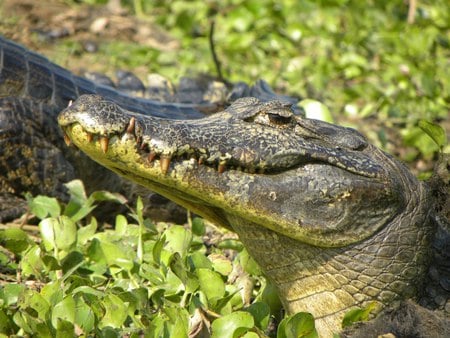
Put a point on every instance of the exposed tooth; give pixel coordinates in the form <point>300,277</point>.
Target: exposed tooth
<point>164,163</point>
<point>67,139</point>
<point>90,137</point>
<point>104,143</point>
<point>139,141</point>
<point>70,103</point>
<point>151,156</point>
<point>221,167</point>
<point>131,124</point>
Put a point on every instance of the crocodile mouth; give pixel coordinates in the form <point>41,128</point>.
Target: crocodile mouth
<point>199,157</point>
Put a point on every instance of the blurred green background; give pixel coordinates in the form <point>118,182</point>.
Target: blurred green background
<point>362,59</point>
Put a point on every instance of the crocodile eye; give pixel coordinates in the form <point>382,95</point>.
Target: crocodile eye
<point>279,119</point>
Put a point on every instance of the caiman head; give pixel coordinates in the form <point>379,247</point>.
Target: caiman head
<point>333,221</point>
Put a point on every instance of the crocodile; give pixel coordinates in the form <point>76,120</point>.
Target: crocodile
<point>333,221</point>
<point>33,157</point>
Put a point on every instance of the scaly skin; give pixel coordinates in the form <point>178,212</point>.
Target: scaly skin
<point>333,221</point>
<point>33,157</point>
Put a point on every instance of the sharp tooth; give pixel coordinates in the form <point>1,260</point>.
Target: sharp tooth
<point>131,124</point>
<point>67,139</point>
<point>104,143</point>
<point>139,141</point>
<point>90,137</point>
<point>164,162</point>
<point>151,156</point>
<point>70,103</point>
<point>221,167</point>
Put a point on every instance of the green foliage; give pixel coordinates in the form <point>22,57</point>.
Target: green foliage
<point>358,315</point>
<point>435,131</point>
<point>300,325</point>
<point>134,279</point>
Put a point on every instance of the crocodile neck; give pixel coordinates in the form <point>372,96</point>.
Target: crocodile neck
<point>328,282</point>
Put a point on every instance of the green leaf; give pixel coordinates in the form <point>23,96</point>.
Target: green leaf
<point>64,328</point>
<point>85,233</point>
<point>72,262</point>
<point>121,225</point>
<point>82,212</point>
<point>316,110</point>
<point>6,325</point>
<point>42,206</point>
<point>248,263</point>
<point>115,312</point>
<point>32,263</point>
<point>180,270</point>
<point>232,325</point>
<point>198,226</point>
<point>221,264</point>
<point>179,321</point>
<point>77,191</point>
<point>32,300</point>
<point>435,131</point>
<point>232,244</point>
<point>157,249</point>
<point>9,293</point>
<point>103,195</point>
<point>84,316</point>
<point>199,260</point>
<point>88,290</point>
<point>359,314</point>
<point>64,310</point>
<point>110,253</point>
<point>60,233</point>
<point>261,314</point>
<point>15,240</point>
<point>53,292</point>
<point>178,239</point>
<point>211,283</point>
<point>300,325</point>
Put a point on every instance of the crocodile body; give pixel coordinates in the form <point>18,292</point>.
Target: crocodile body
<point>333,221</point>
<point>33,157</point>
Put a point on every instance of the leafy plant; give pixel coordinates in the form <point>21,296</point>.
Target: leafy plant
<point>135,278</point>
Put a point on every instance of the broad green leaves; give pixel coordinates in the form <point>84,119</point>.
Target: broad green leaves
<point>136,277</point>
